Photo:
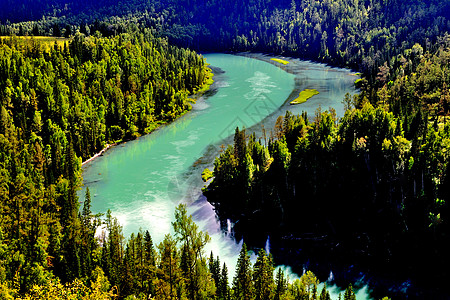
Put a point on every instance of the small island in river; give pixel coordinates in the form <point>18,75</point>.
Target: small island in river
<point>304,96</point>
<point>279,60</point>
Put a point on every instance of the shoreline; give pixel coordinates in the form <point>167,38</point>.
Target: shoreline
<point>197,93</point>
<point>108,146</point>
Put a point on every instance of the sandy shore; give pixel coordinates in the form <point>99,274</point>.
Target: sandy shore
<point>98,154</point>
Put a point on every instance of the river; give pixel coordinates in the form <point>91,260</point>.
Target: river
<point>142,181</point>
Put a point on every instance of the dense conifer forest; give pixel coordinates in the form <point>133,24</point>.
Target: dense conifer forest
<point>375,181</point>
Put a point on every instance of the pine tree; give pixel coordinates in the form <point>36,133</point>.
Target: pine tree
<point>242,281</point>
<point>240,146</point>
<point>88,243</point>
<point>263,276</point>
<point>214,269</point>
<point>193,242</point>
<point>149,264</point>
<point>349,294</point>
<point>223,292</point>
<point>324,295</point>
<point>169,283</point>
<point>280,284</point>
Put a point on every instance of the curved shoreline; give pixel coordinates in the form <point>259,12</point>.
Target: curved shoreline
<point>202,90</point>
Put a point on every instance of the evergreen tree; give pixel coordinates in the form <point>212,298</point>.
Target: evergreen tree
<point>280,285</point>
<point>223,290</point>
<point>169,283</point>
<point>193,243</point>
<point>89,224</point>
<point>263,276</point>
<point>214,269</point>
<point>149,264</point>
<point>324,294</point>
<point>242,282</point>
<point>349,294</point>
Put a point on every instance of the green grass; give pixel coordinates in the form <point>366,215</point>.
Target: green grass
<point>47,42</point>
<point>281,61</point>
<point>304,96</point>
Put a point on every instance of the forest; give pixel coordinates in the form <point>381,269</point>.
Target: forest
<point>59,106</point>
<point>378,176</point>
<point>358,34</point>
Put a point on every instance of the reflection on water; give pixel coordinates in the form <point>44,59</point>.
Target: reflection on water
<point>143,180</point>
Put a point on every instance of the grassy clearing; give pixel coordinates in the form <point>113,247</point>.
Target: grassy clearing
<point>304,96</point>
<point>281,61</point>
<point>47,42</point>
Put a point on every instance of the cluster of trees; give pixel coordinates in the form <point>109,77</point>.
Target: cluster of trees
<point>97,90</point>
<point>376,180</point>
<point>361,34</point>
<point>177,268</point>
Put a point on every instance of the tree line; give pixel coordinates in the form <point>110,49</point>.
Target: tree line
<point>358,34</point>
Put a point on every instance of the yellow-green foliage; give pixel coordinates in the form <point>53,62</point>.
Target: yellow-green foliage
<point>207,81</point>
<point>358,82</point>
<point>207,175</point>
<point>46,41</point>
<point>281,61</point>
<point>304,96</point>
<point>99,288</point>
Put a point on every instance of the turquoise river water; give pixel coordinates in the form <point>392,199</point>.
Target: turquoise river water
<point>142,181</point>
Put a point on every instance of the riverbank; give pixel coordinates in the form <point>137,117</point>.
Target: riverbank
<point>199,92</point>
<point>98,154</point>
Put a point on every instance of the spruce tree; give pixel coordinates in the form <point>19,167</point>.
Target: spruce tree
<point>324,294</point>
<point>280,284</point>
<point>214,269</point>
<point>263,276</point>
<point>349,294</point>
<point>223,289</point>
<point>149,264</point>
<point>242,281</point>
<point>193,243</point>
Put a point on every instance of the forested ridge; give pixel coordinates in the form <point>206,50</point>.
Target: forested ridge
<point>360,34</point>
<point>378,177</point>
<point>96,90</point>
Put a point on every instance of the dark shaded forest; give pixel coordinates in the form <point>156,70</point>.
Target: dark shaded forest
<point>374,182</point>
